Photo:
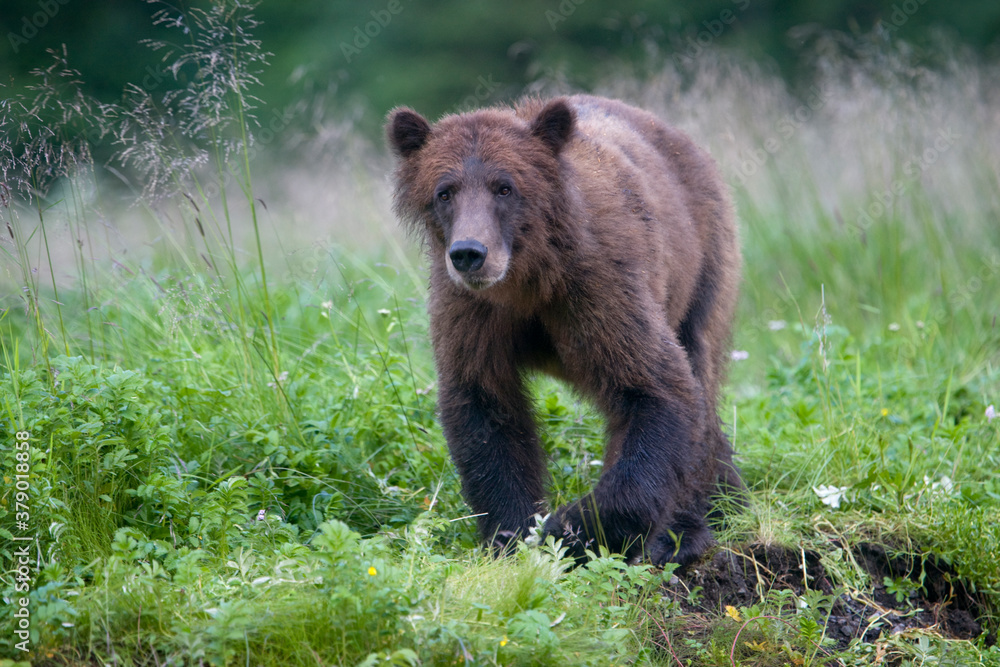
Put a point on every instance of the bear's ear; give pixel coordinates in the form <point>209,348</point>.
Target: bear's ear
<point>407,131</point>
<point>554,124</point>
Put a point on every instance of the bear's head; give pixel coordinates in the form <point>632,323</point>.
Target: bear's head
<point>483,185</point>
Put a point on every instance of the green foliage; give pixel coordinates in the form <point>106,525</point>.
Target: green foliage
<point>899,587</point>
<point>782,628</point>
<point>95,427</point>
<point>967,537</point>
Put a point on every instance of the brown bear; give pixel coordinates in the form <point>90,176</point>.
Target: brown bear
<point>584,238</point>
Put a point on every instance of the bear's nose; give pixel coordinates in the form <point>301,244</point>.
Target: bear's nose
<point>467,255</point>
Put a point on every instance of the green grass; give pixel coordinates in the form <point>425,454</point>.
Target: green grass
<point>235,458</point>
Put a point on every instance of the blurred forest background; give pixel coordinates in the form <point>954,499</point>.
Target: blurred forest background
<point>366,57</point>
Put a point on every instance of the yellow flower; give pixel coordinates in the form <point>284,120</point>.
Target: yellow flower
<point>372,571</point>
<point>885,412</point>
<point>503,642</point>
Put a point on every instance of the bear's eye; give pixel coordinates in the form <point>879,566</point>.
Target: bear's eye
<point>504,190</point>
<point>444,196</point>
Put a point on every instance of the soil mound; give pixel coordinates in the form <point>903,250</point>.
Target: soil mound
<point>921,592</point>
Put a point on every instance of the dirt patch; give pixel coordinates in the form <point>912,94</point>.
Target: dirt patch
<point>923,593</point>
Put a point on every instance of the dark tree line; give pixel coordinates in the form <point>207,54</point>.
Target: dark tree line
<point>452,53</point>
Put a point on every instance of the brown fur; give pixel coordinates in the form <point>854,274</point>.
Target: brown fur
<point>609,258</point>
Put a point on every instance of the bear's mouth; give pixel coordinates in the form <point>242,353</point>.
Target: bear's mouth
<point>476,283</point>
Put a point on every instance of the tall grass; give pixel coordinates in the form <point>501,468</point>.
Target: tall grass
<point>235,452</point>
<point>878,180</point>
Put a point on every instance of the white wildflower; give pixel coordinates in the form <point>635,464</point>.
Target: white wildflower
<point>776,325</point>
<point>945,484</point>
<point>740,355</point>
<point>281,380</point>
<point>832,495</point>
<point>991,413</point>
<point>894,326</point>
<point>534,537</point>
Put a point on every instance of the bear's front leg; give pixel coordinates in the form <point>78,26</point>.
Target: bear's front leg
<point>659,469</point>
<point>492,440</point>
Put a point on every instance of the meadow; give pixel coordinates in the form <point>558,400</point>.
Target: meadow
<point>218,402</point>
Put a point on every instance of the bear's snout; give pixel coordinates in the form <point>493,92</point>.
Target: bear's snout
<point>467,256</point>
